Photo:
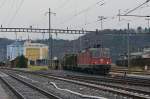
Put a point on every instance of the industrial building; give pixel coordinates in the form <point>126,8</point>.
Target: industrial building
<point>15,49</point>
<point>144,54</point>
<point>36,53</point>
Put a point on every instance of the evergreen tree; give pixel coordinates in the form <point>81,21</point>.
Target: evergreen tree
<point>139,29</point>
<point>22,62</point>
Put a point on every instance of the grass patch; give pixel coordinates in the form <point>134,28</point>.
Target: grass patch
<point>138,68</point>
<point>36,68</point>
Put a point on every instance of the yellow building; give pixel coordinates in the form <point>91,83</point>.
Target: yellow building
<point>35,51</point>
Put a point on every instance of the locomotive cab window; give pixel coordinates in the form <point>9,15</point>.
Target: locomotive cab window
<point>100,52</point>
<point>95,53</point>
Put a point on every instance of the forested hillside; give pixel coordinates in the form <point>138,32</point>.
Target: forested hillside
<point>116,41</point>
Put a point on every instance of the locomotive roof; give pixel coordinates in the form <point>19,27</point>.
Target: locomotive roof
<point>93,49</point>
<point>98,48</point>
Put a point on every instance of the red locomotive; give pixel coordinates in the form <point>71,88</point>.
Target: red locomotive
<point>92,60</point>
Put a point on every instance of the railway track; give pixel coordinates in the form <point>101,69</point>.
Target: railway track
<point>112,89</point>
<point>118,79</point>
<point>25,90</point>
<point>111,78</point>
<point>122,87</point>
<point>65,93</point>
<point>120,90</point>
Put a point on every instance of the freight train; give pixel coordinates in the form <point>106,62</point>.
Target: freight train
<point>94,60</point>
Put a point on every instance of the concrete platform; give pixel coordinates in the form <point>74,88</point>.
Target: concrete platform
<point>3,94</point>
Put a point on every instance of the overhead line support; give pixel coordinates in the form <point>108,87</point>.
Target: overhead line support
<point>36,30</point>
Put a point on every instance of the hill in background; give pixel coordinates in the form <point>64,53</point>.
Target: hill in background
<point>116,42</point>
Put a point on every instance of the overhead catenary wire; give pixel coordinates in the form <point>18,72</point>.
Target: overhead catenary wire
<point>86,24</point>
<point>137,7</point>
<point>127,14</point>
<point>100,3</point>
<point>136,15</point>
<point>62,5</point>
<point>16,12</point>
<point>90,7</point>
<point>95,21</point>
<point>3,3</point>
<point>8,12</point>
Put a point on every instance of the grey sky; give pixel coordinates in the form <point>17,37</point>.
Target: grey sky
<point>70,13</point>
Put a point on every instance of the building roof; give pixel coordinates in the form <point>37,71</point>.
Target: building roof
<point>27,44</point>
<point>146,50</point>
<point>137,53</point>
<point>17,43</point>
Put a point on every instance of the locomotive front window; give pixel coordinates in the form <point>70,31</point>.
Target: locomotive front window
<point>96,53</point>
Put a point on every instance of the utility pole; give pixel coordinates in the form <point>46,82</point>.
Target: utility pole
<point>128,44</point>
<point>101,18</point>
<point>80,40</point>
<point>50,56</point>
<point>148,20</point>
<point>119,14</point>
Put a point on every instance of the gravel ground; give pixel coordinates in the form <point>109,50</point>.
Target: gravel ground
<point>128,86</point>
<point>10,94</point>
<point>45,83</point>
<point>65,73</point>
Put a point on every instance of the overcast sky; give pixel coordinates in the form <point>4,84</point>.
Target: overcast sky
<point>75,14</point>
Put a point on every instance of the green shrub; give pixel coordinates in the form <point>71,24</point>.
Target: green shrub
<point>22,62</point>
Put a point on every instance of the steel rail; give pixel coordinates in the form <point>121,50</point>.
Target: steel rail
<point>49,95</point>
<point>109,85</point>
<point>18,94</point>
<point>104,88</point>
<point>130,81</point>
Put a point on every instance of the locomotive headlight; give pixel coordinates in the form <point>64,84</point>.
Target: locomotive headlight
<point>107,62</point>
<point>94,62</point>
<point>101,60</point>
